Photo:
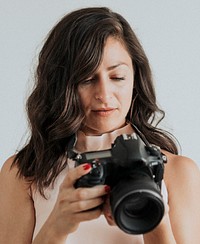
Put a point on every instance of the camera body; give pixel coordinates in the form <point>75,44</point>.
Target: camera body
<point>134,171</point>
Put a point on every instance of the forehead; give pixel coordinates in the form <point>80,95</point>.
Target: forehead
<point>115,55</point>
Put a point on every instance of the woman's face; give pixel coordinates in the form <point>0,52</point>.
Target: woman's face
<point>106,95</point>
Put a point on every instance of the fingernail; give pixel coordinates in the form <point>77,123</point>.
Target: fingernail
<point>86,166</point>
<point>107,188</point>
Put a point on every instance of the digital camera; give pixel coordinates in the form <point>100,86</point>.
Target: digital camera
<point>134,172</point>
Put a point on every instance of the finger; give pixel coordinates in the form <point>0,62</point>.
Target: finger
<point>85,205</point>
<point>86,193</point>
<point>88,215</point>
<point>110,219</point>
<point>107,211</point>
<point>74,174</point>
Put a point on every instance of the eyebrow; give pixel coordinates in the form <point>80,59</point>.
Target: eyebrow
<point>115,66</point>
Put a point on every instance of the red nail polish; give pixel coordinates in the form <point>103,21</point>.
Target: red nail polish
<point>86,166</point>
<point>107,188</point>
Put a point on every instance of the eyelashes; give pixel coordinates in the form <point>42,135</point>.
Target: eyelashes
<point>118,78</point>
<point>93,80</point>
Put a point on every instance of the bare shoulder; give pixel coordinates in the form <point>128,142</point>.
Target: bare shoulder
<point>11,184</point>
<point>7,165</point>
<point>9,174</point>
<point>182,178</point>
<point>180,168</point>
<point>7,171</point>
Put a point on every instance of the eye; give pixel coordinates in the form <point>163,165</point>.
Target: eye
<point>87,82</point>
<point>118,78</point>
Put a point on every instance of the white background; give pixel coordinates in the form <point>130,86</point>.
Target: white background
<point>169,32</point>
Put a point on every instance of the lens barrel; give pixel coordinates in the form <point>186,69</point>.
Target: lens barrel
<point>137,205</point>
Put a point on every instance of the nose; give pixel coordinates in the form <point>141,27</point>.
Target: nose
<point>104,90</point>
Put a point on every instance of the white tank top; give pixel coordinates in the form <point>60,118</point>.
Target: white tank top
<point>95,231</point>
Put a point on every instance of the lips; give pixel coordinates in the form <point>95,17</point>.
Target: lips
<point>104,111</point>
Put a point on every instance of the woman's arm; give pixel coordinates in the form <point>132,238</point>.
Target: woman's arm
<point>17,217</point>
<point>183,183</point>
<point>72,207</point>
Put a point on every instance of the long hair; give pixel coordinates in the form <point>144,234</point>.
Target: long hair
<point>71,53</point>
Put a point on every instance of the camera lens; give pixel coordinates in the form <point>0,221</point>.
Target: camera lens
<point>137,205</point>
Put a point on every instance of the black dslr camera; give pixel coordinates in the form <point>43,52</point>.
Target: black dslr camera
<point>134,172</point>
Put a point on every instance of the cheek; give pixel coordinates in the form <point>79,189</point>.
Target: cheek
<point>126,98</point>
<point>84,100</point>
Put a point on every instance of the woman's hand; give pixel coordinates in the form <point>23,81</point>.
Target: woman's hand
<point>75,205</point>
<point>107,211</point>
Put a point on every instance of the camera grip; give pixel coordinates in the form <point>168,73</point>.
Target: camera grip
<point>93,178</point>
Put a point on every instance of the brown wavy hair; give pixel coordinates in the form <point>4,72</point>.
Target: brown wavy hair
<point>71,53</point>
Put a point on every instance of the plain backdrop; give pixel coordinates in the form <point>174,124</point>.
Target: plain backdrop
<point>168,30</point>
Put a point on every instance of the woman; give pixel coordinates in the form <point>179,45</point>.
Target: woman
<point>93,81</point>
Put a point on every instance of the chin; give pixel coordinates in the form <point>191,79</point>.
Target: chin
<point>101,128</point>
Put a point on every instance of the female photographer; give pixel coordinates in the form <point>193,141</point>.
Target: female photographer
<point>94,82</point>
